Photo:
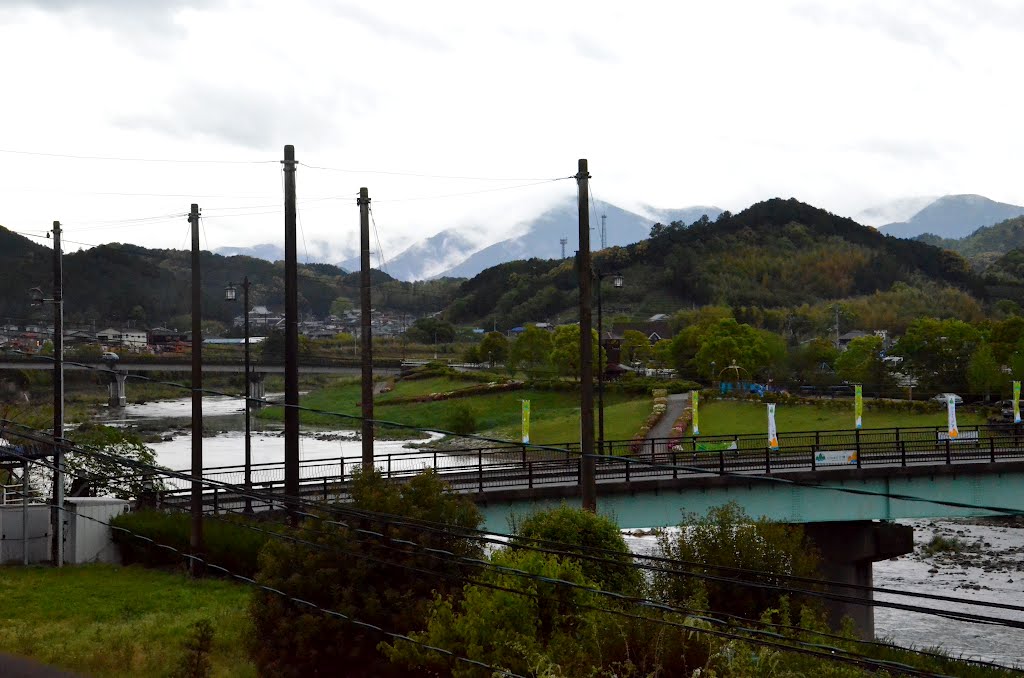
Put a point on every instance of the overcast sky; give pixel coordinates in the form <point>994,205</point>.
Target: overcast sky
<point>841,104</point>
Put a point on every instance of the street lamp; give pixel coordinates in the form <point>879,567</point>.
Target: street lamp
<point>230,294</point>
<point>617,283</point>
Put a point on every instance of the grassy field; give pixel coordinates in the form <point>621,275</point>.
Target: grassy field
<point>721,417</point>
<point>111,622</point>
<point>554,414</point>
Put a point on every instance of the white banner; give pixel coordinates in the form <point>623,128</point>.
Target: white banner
<point>835,457</point>
<point>773,436</point>
<point>951,409</point>
<point>962,436</point>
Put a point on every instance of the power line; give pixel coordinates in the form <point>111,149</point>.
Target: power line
<point>458,195</point>
<point>417,174</point>
<point>136,159</point>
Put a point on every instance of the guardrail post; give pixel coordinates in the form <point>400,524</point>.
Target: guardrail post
<point>341,465</point>
<point>767,460</point>
<point>325,488</point>
<point>817,442</point>
<point>949,456</point>
<point>215,501</point>
<point>389,467</point>
<point>435,460</point>
<point>529,474</point>
<point>627,469</point>
<point>524,455</point>
<point>903,452</point>
<point>856,434</point>
<point>653,459</point>
<point>814,452</point>
<point>675,469</point>
<point>721,462</point>
<point>479,468</point>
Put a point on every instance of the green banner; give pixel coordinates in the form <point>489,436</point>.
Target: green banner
<point>858,405</point>
<point>526,422</point>
<point>696,421</point>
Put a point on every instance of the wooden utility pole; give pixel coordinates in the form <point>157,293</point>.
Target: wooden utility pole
<point>291,335</point>
<point>588,469</point>
<point>365,336</point>
<point>196,539</point>
<point>58,398</point>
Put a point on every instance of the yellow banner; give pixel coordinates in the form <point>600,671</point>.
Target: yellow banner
<point>696,422</point>
<point>526,422</point>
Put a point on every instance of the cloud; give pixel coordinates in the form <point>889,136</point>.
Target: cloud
<point>389,29</point>
<point>250,118</point>
<point>897,22</point>
<point>127,17</point>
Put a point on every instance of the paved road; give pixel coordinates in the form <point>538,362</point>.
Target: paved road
<point>677,404</point>
<point>19,667</point>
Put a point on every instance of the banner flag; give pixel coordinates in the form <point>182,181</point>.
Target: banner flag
<point>526,422</point>
<point>858,405</point>
<point>773,436</point>
<point>1016,402</point>
<point>696,422</point>
<point>951,408</point>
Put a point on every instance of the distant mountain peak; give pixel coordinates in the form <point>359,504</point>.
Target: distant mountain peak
<point>953,217</point>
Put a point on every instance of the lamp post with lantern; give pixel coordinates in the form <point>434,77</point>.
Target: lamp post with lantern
<point>231,294</point>
<point>617,283</point>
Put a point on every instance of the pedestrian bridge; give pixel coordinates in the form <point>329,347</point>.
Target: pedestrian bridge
<point>888,474</point>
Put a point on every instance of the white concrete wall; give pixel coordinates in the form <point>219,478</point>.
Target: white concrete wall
<point>11,532</point>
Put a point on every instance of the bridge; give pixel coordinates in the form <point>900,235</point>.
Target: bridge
<point>888,474</point>
<point>118,372</point>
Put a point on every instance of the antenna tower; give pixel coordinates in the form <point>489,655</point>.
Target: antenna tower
<point>562,241</point>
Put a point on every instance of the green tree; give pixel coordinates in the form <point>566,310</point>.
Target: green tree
<point>431,331</point>
<point>984,374</point>
<point>936,352</point>
<point>726,536</point>
<point>531,351</point>
<point>861,362</point>
<point>577,530</point>
<point>340,305</point>
<point>813,362</point>
<point>494,348</point>
<point>114,469</point>
<point>364,577</point>
<point>635,347</point>
<point>725,342</point>
<point>565,350</point>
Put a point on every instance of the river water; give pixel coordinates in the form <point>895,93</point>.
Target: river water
<point>988,564</point>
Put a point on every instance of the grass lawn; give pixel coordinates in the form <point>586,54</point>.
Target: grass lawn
<point>120,621</point>
<point>722,417</point>
<point>554,415</point>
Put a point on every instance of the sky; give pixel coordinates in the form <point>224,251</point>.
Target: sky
<point>464,114</point>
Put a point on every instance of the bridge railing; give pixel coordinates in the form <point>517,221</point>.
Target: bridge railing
<point>520,467</point>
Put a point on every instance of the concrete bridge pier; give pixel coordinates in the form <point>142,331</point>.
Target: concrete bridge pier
<point>257,388</point>
<point>116,388</point>
<point>848,550</point>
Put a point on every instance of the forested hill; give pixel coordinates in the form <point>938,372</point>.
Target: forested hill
<point>115,283</point>
<point>776,253</point>
<point>985,245</point>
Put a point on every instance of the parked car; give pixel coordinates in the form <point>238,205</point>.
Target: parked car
<point>109,356</point>
<point>944,397</point>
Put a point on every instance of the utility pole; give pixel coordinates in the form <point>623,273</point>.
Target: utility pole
<point>604,233</point>
<point>588,468</point>
<point>291,335</point>
<point>837,325</point>
<point>365,327</point>
<point>248,400</point>
<point>58,398</point>
<point>196,539</point>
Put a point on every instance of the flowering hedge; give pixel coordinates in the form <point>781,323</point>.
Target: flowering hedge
<point>657,412</point>
<point>492,387</point>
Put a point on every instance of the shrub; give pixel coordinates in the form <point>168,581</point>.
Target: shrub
<point>583,531</point>
<point>227,542</point>
<point>940,544</point>
<point>461,419</point>
<point>370,579</point>
<point>196,662</point>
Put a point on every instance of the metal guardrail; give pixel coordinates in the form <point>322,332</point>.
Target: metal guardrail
<point>479,470</point>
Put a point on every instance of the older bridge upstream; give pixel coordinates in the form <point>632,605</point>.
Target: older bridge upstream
<point>845,487</point>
